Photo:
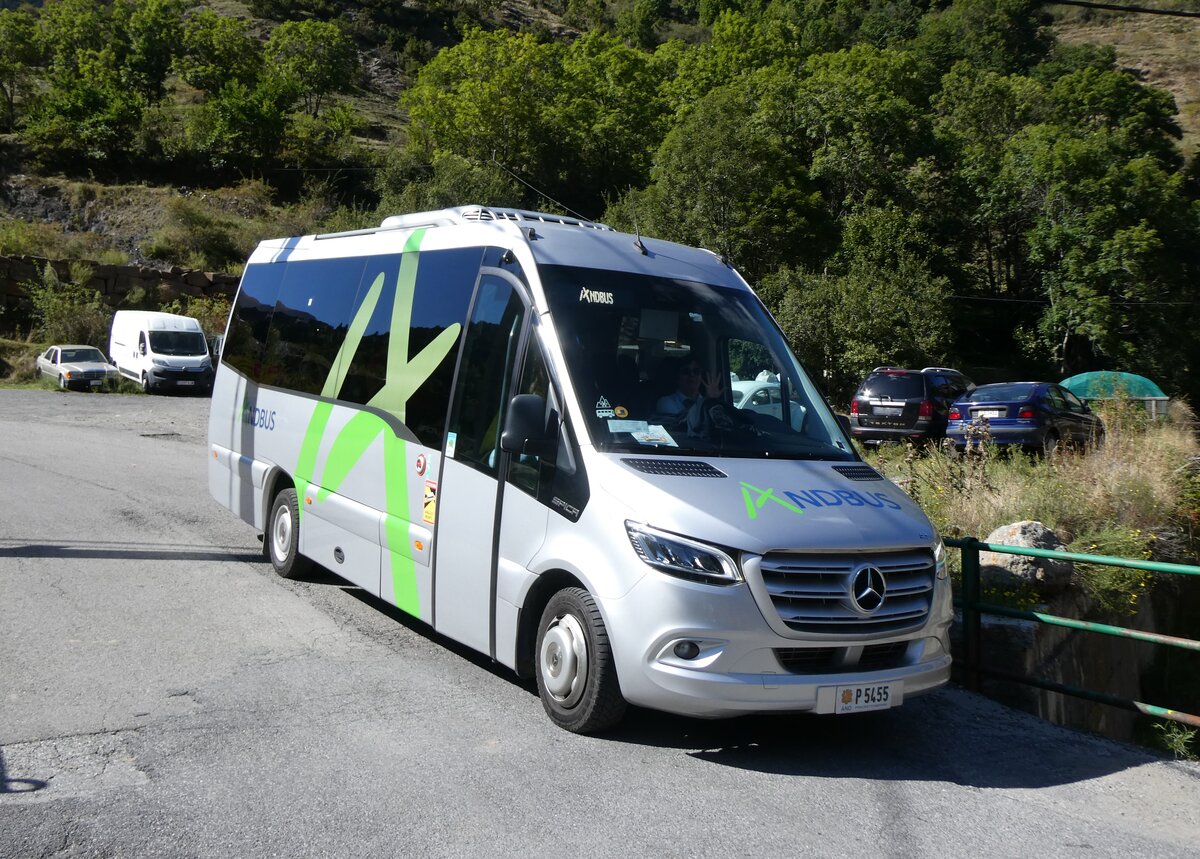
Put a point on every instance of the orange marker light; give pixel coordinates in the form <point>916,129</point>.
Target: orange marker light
<point>418,545</point>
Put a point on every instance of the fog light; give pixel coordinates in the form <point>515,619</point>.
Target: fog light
<point>687,650</point>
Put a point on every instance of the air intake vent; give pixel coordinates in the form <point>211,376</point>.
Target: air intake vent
<point>674,467</point>
<point>837,660</point>
<point>858,472</point>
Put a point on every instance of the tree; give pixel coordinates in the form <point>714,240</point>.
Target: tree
<point>19,53</point>
<point>150,33</point>
<point>724,180</point>
<point>312,58</point>
<point>842,325</point>
<point>216,51</point>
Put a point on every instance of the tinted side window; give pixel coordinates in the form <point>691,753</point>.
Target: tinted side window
<point>485,373</point>
<point>251,318</point>
<point>524,471</point>
<point>310,322</point>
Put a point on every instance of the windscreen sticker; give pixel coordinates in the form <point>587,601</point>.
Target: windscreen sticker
<point>604,408</point>
<point>621,411</point>
<point>654,434</point>
<point>451,441</point>
<point>430,505</point>
<point>628,426</point>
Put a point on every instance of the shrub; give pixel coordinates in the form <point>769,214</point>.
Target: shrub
<point>70,311</point>
<point>196,238</point>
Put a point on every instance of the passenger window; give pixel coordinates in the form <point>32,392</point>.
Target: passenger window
<point>524,471</point>
<point>251,319</point>
<point>440,298</point>
<point>1073,402</point>
<point>310,322</point>
<point>483,385</point>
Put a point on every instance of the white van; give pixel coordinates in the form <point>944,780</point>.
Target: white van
<point>480,416</point>
<point>160,351</point>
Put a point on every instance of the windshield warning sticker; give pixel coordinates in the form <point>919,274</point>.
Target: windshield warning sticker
<point>628,426</point>
<point>604,408</point>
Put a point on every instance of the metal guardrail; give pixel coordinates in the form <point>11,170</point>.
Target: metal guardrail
<point>973,609</point>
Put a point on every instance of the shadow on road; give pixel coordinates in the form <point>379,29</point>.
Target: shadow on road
<point>123,551</point>
<point>952,736</point>
<point>17,785</point>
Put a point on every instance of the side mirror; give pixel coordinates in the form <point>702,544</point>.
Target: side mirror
<point>527,429</point>
<point>844,423</point>
<point>142,348</point>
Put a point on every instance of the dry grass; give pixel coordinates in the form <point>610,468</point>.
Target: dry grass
<point>1165,51</point>
<point>1130,486</point>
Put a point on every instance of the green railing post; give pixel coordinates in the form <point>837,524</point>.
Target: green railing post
<point>971,623</point>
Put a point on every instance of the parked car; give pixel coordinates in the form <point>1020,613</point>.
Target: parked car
<point>766,399</point>
<point>894,404</point>
<point>1034,415</point>
<point>76,366</point>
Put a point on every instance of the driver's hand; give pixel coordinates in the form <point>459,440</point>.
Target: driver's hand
<point>714,385</point>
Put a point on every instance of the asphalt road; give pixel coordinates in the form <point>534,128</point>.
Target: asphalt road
<point>163,693</point>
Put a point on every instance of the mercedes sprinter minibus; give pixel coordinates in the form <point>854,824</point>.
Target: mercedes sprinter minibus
<point>481,416</point>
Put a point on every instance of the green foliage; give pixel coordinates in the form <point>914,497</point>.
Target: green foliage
<point>408,184</point>
<point>1179,740</point>
<point>198,238</point>
<point>19,53</point>
<point>312,59</point>
<point>216,51</point>
<point>70,311</point>
<point>1114,590</point>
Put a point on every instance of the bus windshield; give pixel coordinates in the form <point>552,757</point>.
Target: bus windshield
<point>671,366</point>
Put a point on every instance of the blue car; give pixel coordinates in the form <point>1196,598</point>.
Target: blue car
<point>1037,416</point>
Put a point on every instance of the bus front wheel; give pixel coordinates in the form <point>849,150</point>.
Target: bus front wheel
<point>576,677</point>
<point>283,536</point>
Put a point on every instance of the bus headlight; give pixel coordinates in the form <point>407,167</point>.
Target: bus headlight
<point>939,558</point>
<point>679,556</point>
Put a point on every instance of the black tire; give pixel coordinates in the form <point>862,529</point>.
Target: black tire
<point>576,676</point>
<point>282,540</point>
<point>62,382</point>
<point>1051,444</point>
<point>146,386</point>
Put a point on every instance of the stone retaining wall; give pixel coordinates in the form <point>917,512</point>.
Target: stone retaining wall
<point>114,282</point>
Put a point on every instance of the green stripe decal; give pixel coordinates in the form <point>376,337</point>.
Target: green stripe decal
<point>404,377</point>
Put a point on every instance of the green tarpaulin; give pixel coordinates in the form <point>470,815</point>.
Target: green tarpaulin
<point>1106,384</point>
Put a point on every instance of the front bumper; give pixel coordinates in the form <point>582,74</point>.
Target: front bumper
<point>740,668</point>
<point>181,380</point>
<point>1022,435</point>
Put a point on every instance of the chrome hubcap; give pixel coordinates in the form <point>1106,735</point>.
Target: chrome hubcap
<point>281,533</point>
<point>563,660</point>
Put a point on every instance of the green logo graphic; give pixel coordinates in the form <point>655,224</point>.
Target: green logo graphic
<point>758,500</point>
<point>404,377</point>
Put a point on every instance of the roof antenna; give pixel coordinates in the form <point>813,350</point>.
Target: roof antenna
<point>637,239</point>
<point>538,191</point>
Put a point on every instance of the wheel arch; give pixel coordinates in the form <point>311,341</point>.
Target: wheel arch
<point>547,585</point>
<point>275,481</point>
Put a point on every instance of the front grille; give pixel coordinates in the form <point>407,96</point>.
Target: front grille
<point>89,375</point>
<point>811,591</point>
<point>834,660</point>
<point>674,467</point>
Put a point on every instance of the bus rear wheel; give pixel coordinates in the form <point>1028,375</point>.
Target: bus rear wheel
<point>576,676</point>
<point>282,539</point>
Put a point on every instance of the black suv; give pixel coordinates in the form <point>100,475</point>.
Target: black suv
<point>893,404</point>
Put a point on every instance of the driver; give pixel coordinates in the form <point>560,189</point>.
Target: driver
<point>684,405</point>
